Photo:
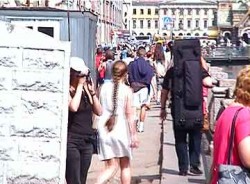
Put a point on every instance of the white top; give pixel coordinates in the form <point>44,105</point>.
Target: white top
<point>117,142</point>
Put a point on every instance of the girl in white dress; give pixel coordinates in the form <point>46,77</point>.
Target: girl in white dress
<point>116,127</point>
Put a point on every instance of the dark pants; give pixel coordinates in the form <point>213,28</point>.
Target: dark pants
<point>79,155</point>
<point>188,151</point>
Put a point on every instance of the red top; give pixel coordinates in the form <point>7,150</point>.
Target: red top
<point>222,134</point>
<point>98,59</point>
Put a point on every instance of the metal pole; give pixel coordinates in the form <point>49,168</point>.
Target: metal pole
<point>68,25</point>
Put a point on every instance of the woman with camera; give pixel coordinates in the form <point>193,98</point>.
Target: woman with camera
<point>83,102</point>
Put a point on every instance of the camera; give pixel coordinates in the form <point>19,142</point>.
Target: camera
<point>87,75</point>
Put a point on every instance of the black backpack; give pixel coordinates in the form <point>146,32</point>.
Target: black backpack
<point>187,84</point>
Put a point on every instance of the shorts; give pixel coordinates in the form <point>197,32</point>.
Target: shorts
<point>141,97</point>
<point>159,81</point>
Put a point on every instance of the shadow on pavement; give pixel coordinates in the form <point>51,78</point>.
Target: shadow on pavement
<point>200,181</point>
<point>169,144</point>
<point>170,171</point>
<point>148,178</point>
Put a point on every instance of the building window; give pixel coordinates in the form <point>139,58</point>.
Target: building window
<point>47,30</point>
<point>197,11</point>
<point>126,26</point>
<point>134,24</point>
<point>141,24</point>
<point>134,11</point>
<point>125,14</point>
<point>181,11</point>
<point>205,12</point>
<point>189,11</point>
<point>156,11</point>
<point>189,23</point>
<point>149,24</point>
<point>149,11</point>
<point>142,11</point>
<point>205,23</point>
<point>165,11</point>
<point>156,24</point>
<point>197,23</point>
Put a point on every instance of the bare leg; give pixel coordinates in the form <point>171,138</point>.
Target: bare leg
<point>125,170</point>
<point>158,97</point>
<point>111,167</point>
<point>143,113</point>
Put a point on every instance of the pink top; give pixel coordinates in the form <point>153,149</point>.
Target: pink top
<point>222,134</point>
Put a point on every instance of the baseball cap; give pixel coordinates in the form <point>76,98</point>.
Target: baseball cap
<point>78,65</point>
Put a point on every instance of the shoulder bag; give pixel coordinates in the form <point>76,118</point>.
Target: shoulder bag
<point>232,174</point>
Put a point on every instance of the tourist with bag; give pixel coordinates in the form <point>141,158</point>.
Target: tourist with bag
<point>83,102</point>
<point>231,158</point>
<point>116,126</point>
<point>184,81</point>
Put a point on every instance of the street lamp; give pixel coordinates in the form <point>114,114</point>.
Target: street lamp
<point>170,29</point>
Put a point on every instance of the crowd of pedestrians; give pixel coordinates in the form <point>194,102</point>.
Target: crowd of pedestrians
<point>126,85</point>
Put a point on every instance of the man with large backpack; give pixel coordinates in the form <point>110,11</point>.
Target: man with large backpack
<point>184,81</point>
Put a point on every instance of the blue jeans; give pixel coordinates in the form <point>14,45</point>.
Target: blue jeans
<point>79,155</point>
<point>184,153</point>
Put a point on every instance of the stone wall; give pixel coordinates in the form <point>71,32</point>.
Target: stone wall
<point>222,94</point>
<point>34,77</point>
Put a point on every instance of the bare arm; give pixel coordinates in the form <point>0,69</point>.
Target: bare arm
<point>75,100</point>
<point>207,82</point>
<point>97,108</point>
<point>244,151</point>
<point>164,98</point>
<point>130,111</point>
<point>96,105</point>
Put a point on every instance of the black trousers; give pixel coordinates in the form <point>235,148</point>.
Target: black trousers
<point>188,151</point>
<point>79,155</point>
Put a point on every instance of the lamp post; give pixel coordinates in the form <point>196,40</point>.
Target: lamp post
<point>170,29</point>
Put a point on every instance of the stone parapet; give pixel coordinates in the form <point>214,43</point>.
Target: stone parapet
<point>220,95</point>
<point>34,83</point>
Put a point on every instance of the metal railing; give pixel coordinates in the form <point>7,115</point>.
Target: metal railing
<point>227,52</point>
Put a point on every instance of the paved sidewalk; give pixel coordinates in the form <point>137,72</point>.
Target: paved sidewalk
<point>155,161</point>
<point>146,162</point>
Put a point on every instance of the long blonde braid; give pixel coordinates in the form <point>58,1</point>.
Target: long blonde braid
<point>118,71</point>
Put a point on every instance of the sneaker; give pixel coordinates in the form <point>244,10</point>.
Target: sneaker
<point>195,170</point>
<point>183,173</point>
<point>140,127</point>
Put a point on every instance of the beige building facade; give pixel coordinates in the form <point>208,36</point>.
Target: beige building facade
<point>189,18</point>
<point>145,17</point>
<point>172,17</point>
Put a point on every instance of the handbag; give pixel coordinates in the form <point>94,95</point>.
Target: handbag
<point>94,140</point>
<point>232,174</point>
